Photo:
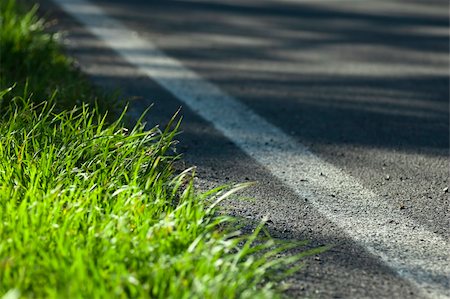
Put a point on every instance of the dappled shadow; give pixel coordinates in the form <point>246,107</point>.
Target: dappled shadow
<point>340,25</point>
<point>324,73</point>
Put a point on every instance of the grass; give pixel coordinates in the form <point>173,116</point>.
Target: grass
<point>90,209</point>
<point>32,61</point>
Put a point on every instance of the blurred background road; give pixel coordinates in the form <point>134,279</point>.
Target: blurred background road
<point>363,84</point>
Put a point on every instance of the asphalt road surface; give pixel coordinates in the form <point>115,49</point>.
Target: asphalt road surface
<point>339,110</point>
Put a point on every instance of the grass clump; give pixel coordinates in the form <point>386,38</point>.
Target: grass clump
<point>90,209</point>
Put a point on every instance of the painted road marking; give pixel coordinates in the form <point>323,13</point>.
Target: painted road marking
<point>413,252</point>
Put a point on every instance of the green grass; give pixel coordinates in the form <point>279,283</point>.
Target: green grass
<point>32,60</point>
<point>89,209</point>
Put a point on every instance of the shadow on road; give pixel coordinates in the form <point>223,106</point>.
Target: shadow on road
<point>323,73</point>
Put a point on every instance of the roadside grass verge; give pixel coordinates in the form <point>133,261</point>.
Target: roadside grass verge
<point>90,209</point>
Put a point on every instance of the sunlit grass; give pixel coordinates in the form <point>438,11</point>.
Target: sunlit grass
<point>93,210</point>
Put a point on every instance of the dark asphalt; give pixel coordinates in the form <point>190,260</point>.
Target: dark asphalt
<point>365,85</point>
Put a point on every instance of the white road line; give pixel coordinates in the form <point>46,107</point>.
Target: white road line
<point>413,252</point>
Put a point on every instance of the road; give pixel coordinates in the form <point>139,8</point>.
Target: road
<point>345,122</point>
